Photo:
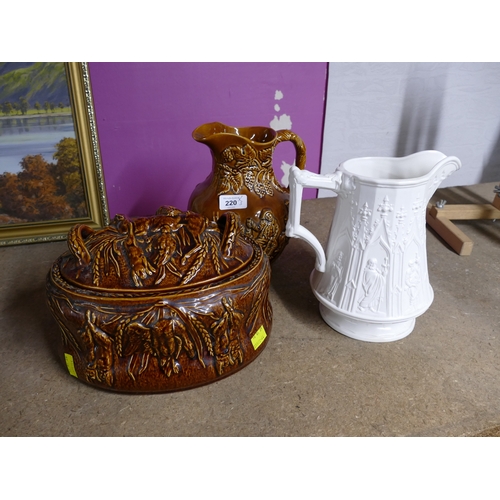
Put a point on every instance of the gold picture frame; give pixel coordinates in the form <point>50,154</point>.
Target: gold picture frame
<point>82,110</point>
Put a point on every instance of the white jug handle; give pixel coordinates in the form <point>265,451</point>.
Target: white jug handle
<point>298,179</point>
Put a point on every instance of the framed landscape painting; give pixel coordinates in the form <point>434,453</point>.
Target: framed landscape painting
<point>50,169</point>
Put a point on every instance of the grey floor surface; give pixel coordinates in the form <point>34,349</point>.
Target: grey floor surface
<point>441,380</point>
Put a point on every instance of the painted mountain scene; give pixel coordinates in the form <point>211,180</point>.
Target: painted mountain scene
<point>40,170</point>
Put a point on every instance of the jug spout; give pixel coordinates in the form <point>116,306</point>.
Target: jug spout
<point>427,168</point>
<point>440,172</point>
<point>218,136</point>
<point>206,131</point>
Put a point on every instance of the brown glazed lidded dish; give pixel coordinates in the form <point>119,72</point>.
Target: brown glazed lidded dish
<point>160,304</point>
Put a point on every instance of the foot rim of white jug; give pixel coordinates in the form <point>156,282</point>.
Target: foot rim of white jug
<point>367,331</point>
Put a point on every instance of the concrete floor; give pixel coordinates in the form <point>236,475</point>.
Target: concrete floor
<point>442,380</point>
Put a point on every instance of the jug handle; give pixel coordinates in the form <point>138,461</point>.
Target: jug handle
<point>298,180</point>
<point>76,243</point>
<point>230,226</point>
<point>300,149</point>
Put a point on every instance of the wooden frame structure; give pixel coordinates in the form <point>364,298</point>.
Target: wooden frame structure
<point>440,215</point>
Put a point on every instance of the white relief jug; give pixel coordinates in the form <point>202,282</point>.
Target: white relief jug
<point>372,281</point>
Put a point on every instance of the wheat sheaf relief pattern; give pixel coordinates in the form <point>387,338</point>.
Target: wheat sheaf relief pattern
<point>163,337</point>
<point>171,249</point>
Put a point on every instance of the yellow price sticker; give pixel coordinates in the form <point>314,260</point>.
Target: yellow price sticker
<point>70,364</point>
<point>259,337</point>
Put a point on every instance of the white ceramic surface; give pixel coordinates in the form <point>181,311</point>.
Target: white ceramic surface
<point>372,280</point>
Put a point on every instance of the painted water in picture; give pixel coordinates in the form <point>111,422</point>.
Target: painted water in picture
<point>40,169</point>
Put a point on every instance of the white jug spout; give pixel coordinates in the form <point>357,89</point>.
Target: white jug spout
<point>440,172</point>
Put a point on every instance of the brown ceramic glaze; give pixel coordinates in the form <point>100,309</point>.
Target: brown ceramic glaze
<point>160,304</point>
<point>242,165</point>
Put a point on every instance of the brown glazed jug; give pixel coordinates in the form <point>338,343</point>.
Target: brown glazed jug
<point>242,180</point>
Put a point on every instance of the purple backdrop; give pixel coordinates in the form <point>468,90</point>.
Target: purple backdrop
<point>146,113</point>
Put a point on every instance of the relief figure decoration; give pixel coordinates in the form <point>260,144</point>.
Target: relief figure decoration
<point>333,278</point>
<point>413,279</point>
<point>266,232</point>
<point>373,285</point>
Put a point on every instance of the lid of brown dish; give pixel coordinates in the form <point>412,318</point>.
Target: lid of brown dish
<point>171,250</point>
